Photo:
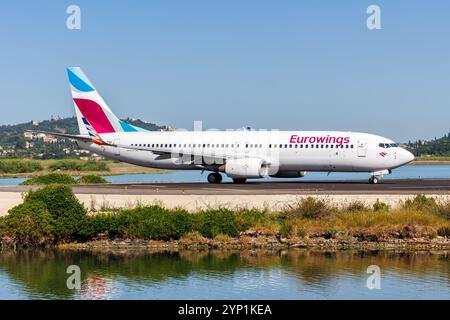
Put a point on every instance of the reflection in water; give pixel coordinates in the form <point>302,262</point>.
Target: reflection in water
<point>288,274</point>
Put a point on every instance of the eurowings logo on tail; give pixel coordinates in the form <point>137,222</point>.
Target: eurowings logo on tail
<point>89,105</point>
<point>93,134</point>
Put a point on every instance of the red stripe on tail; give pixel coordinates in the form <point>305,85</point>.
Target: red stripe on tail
<point>95,115</point>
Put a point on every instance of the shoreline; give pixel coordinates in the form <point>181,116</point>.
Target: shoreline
<point>259,243</point>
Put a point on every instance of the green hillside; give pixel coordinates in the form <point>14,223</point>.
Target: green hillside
<point>13,144</point>
<point>437,147</point>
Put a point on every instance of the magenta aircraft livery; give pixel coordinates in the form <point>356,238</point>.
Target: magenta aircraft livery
<point>242,154</point>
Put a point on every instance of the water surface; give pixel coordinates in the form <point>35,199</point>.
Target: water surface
<point>289,274</point>
<point>406,172</point>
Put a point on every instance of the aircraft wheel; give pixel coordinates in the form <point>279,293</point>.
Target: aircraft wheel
<point>214,177</point>
<point>239,180</point>
<point>373,180</point>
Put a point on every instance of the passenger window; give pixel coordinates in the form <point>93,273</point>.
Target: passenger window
<point>321,146</point>
<point>346,146</point>
<point>306,146</point>
<point>351,146</point>
<point>281,146</point>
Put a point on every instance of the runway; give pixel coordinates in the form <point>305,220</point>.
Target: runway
<point>410,186</point>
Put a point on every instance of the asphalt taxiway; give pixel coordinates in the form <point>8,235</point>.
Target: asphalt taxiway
<point>388,186</point>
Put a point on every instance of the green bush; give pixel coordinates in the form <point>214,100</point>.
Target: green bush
<point>213,222</point>
<point>443,209</point>
<point>420,203</point>
<point>91,179</point>
<point>19,166</point>
<point>356,206</point>
<point>29,223</point>
<point>78,165</point>
<point>380,206</point>
<point>309,208</point>
<point>92,165</point>
<point>153,222</point>
<point>286,228</point>
<point>68,213</point>
<point>51,178</point>
<point>250,217</point>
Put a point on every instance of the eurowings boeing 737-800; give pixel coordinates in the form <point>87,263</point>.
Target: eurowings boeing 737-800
<point>241,155</point>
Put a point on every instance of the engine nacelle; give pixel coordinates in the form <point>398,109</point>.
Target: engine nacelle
<point>246,168</point>
<point>289,174</point>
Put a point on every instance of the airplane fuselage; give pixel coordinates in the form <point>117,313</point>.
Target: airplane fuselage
<point>287,153</point>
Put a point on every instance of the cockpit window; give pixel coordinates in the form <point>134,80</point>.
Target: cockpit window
<point>388,145</point>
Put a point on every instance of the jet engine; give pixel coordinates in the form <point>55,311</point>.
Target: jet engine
<point>246,168</point>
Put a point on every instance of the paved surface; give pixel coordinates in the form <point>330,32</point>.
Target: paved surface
<point>428,186</point>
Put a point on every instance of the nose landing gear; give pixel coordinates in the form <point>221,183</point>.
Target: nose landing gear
<point>214,177</point>
<point>373,180</point>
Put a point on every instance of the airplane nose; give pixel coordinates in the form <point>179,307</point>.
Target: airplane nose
<point>407,156</point>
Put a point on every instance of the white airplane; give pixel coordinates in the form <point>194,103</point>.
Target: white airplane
<point>241,155</point>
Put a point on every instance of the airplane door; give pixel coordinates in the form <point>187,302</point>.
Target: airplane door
<point>362,147</point>
<point>116,149</point>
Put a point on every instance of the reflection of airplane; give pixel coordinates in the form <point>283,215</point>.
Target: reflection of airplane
<point>240,154</point>
<point>96,287</point>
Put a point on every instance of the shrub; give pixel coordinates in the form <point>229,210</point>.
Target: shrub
<point>356,206</point>
<point>51,178</point>
<point>380,206</point>
<point>309,208</point>
<point>154,222</point>
<point>29,223</point>
<point>91,179</point>
<point>108,223</point>
<point>421,203</point>
<point>251,217</point>
<point>92,165</point>
<point>213,222</point>
<point>330,233</point>
<point>444,232</point>
<point>78,165</point>
<point>66,165</point>
<point>443,208</point>
<point>68,213</point>
<point>19,166</point>
<point>286,228</point>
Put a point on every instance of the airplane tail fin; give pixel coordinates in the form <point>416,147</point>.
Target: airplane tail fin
<point>93,114</point>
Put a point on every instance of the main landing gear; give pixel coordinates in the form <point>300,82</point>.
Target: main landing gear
<point>214,177</point>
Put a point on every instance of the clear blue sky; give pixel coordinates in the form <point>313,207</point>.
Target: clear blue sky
<point>306,65</point>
